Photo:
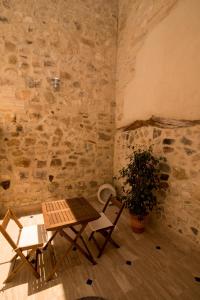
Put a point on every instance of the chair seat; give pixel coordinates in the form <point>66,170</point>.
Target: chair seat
<point>34,235</point>
<point>101,223</point>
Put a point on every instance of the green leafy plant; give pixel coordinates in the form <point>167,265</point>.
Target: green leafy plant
<point>142,179</point>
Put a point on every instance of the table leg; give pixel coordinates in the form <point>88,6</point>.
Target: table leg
<point>50,240</point>
<point>88,254</point>
<point>73,243</point>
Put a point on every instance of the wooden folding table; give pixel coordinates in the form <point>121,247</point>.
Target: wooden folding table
<point>67,213</point>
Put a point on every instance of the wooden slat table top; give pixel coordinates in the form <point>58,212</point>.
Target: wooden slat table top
<point>67,212</point>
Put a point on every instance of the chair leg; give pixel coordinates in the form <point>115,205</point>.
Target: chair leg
<point>114,243</point>
<point>96,243</point>
<point>14,258</point>
<point>91,235</point>
<point>105,234</point>
<point>19,267</point>
<point>13,272</point>
<point>104,244</point>
<point>38,252</point>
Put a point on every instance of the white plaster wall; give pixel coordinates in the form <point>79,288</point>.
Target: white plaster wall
<point>166,81</point>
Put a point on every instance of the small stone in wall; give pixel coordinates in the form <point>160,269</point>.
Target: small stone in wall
<point>91,67</point>
<point>87,42</point>
<point>59,132</point>
<point>41,175</point>
<point>179,173</point>
<point>41,164</point>
<point>30,142</point>
<point>103,136</point>
<point>164,176</point>
<point>48,63</point>
<point>103,82</point>
<point>168,141</point>
<point>56,162</point>
<point>186,141</point>
<point>12,59</point>
<point>194,230</point>
<point>24,66</point>
<point>156,133</point>
<point>70,164</point>
<point>164,185</point>
<point>76,84</point>
<point>10,46</point>
<point>29,42</point>
<point>81,186</point>
<point>196,157</point>
<point>49,97</point>
<point>167,149</point>
<point>189,151</point>
<point>40,128</point>
<point>3,19</point>
<point>93,184</point>
<point>23,94</point>
<point>84,162</point>
<point>69,187</point>
<point>53,186</point>
<point>23,175</point>
<point>5,184</point>
<point>19,128</point>
<point>23,162</point>
<point>13,142</point>
<point>164,167</point>
<point>77,25</point>
<point>131,140</point>
<point>17,153</point>
<point>6,4</point>
<point>73,157</point>
<point>65,75</point>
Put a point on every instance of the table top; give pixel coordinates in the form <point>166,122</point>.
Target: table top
<point>67,212</point>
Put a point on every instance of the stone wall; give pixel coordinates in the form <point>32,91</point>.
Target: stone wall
<point>179,208</point>
<point>56,143</point>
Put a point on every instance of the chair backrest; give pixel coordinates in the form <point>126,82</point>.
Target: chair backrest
<point>10,216</point>
<point>118,204</point>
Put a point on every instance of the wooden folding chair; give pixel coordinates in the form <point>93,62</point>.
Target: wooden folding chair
<point>30,239</point>
<point>104,226</point>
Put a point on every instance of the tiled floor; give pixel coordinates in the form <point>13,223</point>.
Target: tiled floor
<point>153,265</point>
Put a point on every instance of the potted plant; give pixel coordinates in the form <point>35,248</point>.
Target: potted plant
<point>142,180</point>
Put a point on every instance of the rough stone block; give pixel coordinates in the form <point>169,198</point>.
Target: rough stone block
<point>105,137</point>
<point>41,164</point>
<point>3,19</point>
<point>56,162</point>
<point>179,173</point>
<point>186,141</point>
<point>168,141</point>
<point>23,162</point>
<point>167,149</point>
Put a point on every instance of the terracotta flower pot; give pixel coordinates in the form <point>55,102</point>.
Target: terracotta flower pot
<point>138,223</point>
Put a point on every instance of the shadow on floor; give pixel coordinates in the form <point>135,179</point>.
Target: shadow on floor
<point>34,285</point>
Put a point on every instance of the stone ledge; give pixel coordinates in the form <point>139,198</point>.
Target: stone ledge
<point>160,123</point>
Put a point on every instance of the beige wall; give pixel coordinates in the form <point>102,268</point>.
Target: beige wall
<point>158,72</point>
<point>56,144</point>
<point>165,81</point>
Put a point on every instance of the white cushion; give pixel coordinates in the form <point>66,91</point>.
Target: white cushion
<point>34,235</point>
<point>102,222</point>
